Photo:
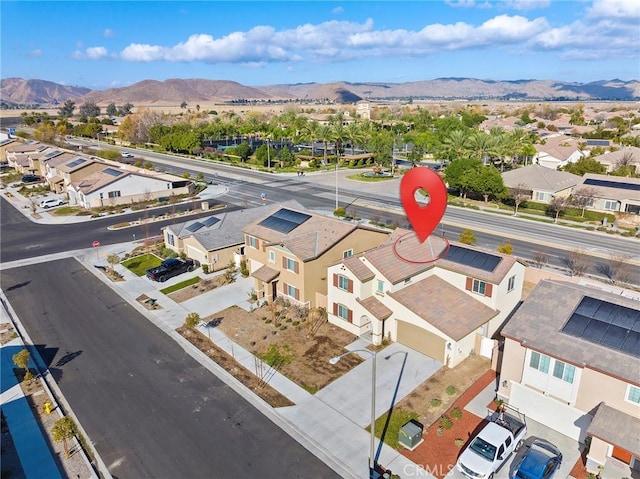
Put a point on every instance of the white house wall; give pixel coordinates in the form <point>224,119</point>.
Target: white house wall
<point>549,384</point>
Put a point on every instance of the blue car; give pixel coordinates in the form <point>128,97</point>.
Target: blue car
<point>541,461</point>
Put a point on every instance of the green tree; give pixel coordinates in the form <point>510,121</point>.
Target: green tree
<point>89,110</point>
<point>243,150</point>
<point>286,157</point>
<point>459,173</point>
<point>45,132</point>
<point>67,108</point>
<point>585,165</point>
<point>125,109</point>
<point>488,183</point>
<point>112,109</point>
<point>64,429</point>
<point>467,237</point>
<point>192,320</point>
<point>21,359</point>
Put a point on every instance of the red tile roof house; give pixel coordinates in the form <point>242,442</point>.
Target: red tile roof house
<point>571,361</point>
<point>290,249</point>
<point>445,308</point>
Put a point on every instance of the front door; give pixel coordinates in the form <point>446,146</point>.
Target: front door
<point>274,290</point>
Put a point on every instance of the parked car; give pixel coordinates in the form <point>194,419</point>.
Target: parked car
<point>541,461</point>
<point>491,447</point>
<point>30,178</point>
<point>126,154</point>
<point>51,202</point>
<point>169,268</point>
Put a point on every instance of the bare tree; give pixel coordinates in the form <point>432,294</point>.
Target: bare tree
<point>519,194</point>
<point>558,204</point>
<point>317,317</point>
<point>583,197</point>
<point>618,268</point>
<point>540,258</point>
<point>578,262</point>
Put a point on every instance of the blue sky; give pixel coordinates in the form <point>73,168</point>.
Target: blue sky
<point>99,44</point>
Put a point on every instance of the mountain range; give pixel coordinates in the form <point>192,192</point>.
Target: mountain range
<point>17,91</point>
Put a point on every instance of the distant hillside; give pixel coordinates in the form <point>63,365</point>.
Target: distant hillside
<point>176,91</point>
<point>19,91</point>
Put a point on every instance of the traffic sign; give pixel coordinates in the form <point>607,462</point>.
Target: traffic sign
<point>96,244</point>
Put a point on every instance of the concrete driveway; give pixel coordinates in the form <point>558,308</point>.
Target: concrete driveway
<point>399,370</point>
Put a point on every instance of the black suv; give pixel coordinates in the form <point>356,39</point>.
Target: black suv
<point>30,178</point>
<point>169,268</point>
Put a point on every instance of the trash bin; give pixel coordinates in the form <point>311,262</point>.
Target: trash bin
<point>410,434</point>
<point>204,205</point>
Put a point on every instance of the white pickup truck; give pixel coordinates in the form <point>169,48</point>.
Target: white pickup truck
<point>490,449</point>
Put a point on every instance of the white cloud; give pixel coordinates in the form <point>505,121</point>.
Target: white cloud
<point>337,11</point>
<point>461,3</point>
<point>108,33</point>
<point>91,53</point>
<point>621,9</point>
<point>524,5</point>
<point>35,53</point>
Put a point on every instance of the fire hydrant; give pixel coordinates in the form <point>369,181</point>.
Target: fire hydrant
<point>47,407</point>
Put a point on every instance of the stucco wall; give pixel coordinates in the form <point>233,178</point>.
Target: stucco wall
<point>596,387</point>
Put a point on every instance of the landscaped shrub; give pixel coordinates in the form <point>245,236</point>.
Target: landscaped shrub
<point>446,423</point>
<point>451,390</point>
<point>458,442</point>
<point>205,268</point>
<point>456,413</point>
<point>435,402</point>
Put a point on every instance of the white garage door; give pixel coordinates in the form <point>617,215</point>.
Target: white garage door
<point>552,413</point>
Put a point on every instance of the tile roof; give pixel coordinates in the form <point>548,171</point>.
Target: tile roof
<point>616,427</point>
<point>629,153</point>
<point>537,177</point>
<point>607,192</point>
<point>226,232</point>
<point>309,240</point>
<point>424,256</point>
<point>538,324</point>
<point>358,268</point>
<point>444,306</point>
<point>377,309</point>
<point>265,274</point>
<point>97,180</point>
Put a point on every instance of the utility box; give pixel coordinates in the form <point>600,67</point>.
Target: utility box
<point>410,435</point>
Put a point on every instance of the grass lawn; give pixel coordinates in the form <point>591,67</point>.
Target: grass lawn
<point>369,179</point>
<point>183,284</point>
<point>140,264</point>
<point>66,211</point>
<point>399,417</point>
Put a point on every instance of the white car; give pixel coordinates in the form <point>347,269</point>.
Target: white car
<point>126,154</point>
<point>51,202</point>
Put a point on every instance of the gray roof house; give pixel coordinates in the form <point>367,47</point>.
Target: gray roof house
<point>571,361</point>
<point>543,183</point>
<point>613,193</point>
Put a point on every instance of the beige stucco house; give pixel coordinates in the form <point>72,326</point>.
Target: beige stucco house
<point>289,250</point>
<point>444,300</point>
<point>542,183</point>
<point>613,193</point>
<point>571,361</point>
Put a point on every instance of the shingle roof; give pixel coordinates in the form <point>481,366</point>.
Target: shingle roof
<point>444,306</point>
<point>309,240</point>
<point>537,325</point>
<point>377,309</point>
<point>616,427</point>
<point>537,177</point>
<point>97,180</point>
<point>606,192</point>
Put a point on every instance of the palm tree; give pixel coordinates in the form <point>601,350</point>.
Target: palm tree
<point>457,144</point>
<point>354,134</point>
<point>325,134</point>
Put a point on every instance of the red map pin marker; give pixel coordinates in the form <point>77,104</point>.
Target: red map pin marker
<point>423,219</point>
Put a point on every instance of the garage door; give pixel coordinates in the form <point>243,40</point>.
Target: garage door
<point>421,340</point>
<point>550,412</point>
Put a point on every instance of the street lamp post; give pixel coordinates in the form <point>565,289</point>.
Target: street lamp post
<point>268,157</point>
<point>372,452</point>
<point>337,162</point>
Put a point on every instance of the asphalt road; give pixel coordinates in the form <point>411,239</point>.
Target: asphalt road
<point>150,409</point>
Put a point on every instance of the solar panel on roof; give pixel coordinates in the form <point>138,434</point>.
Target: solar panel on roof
<point>621,185</point>
<point>52,153</point>
<point>597,142</point>
<point>284,220</point>
<point>112,171</point>
<point>475,259</point>
<point>193,227</point>
<point>77,162</point>
<point>608,324</point>
<point>210,221</point>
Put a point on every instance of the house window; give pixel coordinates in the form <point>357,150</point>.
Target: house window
<point>539,361</point>
<point>479,286</point>
<point>114,194</point>
<point>272,256</point>
<point>343,282</point>
<point>347,253</point>
<point>253,242</point>
<point>611,205</point>
<point>564,371</point>
<point>290,290</point>
<point>380,286</point>
<point>541,196</point>
<point>512,283</point>
<point>291,265</point>
<point>343,312</point>
<point>171,240</point>
<point>633,394</point>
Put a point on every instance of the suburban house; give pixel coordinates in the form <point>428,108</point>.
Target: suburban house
<point>112,186</point>
<point>542,184</point>
<point>289,250</point>
<point>628,155</point>
<point>6,142</point>
<point>68,167</point>
<point>613,193</point>
<point>443,300</point>
<point>38,160</point>
<point>558,150</point>
<point>18,156</point>
<point>214,241</point>
<point>571,361</point>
